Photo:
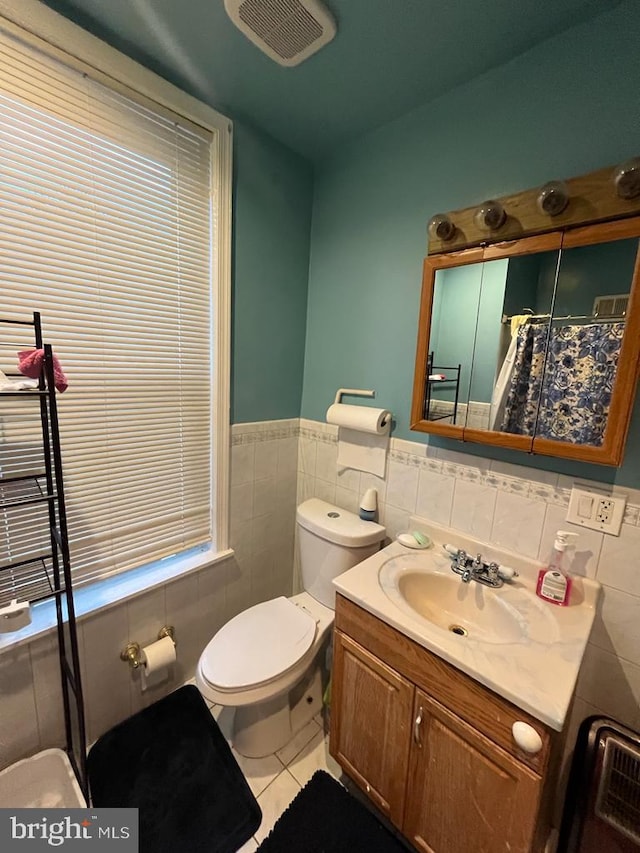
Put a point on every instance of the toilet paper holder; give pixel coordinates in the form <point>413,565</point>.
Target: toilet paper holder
<point>131,653</point>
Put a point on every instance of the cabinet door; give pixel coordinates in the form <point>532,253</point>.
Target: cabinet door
<point>370,724</point>
<point>463,791</point>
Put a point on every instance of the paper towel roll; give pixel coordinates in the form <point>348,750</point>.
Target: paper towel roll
<point>159,655</point>
<point>363,437</point>
<point>362,418</point>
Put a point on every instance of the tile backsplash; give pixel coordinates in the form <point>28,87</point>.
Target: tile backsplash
<point>274,466</point>
<point>517,508</point>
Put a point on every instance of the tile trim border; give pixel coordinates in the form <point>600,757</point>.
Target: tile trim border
<point>421,456</point>
<point>251,433</point>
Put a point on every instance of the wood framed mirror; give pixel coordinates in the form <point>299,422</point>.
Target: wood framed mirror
<point>533,344</point>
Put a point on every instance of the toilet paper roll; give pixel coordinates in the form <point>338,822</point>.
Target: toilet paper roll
<point>158,655</point>
<point>362,418</point>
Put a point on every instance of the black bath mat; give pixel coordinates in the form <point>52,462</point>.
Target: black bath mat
<point>325,818</point>
<point>172,762</point>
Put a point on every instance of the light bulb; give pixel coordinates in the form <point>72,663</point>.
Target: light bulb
<point>627,179</point>
<point>441,227</point>
<point>490,216</point>
<point>553,198</point>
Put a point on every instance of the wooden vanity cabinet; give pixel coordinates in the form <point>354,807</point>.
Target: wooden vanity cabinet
<point>374,729</point>
<point>464,792</point>
<point>432,748</point>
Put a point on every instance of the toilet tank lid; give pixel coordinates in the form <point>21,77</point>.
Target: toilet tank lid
<point>338,525</point>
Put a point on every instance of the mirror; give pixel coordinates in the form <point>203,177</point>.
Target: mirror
<point>585,340</point>
<point>456,305</point>
<point>528,344</point>
<point>508,356</point>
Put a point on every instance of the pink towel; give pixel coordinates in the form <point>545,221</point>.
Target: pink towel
<point>30,362</point>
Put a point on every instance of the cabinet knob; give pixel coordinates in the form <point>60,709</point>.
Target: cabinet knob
<point>526,737</point>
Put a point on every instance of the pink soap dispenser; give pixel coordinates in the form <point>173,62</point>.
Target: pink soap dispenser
<point>554,584</point>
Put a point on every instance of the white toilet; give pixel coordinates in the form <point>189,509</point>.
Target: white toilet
<point>266,662</point>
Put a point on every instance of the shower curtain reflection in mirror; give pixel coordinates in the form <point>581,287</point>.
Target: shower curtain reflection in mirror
<point>561,381</point>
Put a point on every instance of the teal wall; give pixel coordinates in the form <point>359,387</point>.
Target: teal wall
<point>589,271</point>
<point>566,107</point>
<point>524,280</point>
<point>453,327</point>
<point>488,330</point>
<point>465,328</point>
<point>271,232</point>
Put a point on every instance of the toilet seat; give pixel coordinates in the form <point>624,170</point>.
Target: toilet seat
<point>258,645</point>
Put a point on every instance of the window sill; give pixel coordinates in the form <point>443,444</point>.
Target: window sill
<point>114,590</point>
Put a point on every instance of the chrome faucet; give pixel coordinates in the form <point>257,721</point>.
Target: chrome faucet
<point>463,565</point>
<point>476,569</point>
<point>493,573</point>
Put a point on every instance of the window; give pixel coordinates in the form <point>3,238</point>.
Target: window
<point>110,211</point>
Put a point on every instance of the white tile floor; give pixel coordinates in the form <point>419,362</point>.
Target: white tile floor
<point>276,779</point>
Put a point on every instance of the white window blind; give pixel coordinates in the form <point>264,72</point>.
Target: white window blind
<point>105,228</point>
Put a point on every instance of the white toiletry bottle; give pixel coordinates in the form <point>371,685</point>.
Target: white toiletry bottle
<point>554,584</point>
<point>369,505</point>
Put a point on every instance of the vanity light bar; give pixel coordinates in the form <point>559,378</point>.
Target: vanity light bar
<point>609,193</point>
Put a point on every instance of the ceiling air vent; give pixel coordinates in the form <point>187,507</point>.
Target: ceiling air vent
<point>288,31</point>
<point>611,306</point>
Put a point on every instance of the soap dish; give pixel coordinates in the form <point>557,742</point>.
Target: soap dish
<point>415,539</point>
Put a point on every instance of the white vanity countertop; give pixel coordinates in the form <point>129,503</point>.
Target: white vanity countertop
<point>536,673</point>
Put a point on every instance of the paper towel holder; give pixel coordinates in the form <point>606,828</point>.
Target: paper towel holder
<point>131,653</point>
<point>357,392</point>
<point>354,392</point>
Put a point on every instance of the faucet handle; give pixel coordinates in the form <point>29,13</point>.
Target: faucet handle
<point>458,555</point>
<point>507,573</point>
<point>493,572</point>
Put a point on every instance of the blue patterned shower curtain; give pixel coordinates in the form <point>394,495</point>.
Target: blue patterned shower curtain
<point>521,410</point>
<point>563,391</point>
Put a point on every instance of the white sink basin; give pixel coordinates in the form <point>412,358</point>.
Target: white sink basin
<point>523,648</point>
<point>472,610</point>
<point>464,609</point>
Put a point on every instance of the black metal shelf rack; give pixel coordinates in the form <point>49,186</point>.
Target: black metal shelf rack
<point>46,574</point>
<point>452,381</point>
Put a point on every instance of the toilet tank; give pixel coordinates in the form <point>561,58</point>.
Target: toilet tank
<point>332,540</point>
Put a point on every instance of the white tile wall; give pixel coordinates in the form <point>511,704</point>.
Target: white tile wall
<point>473,508</point>
<point>264,462</point>
<point>517,523</point>
<point>435,495</point>
<point>279,463</point>
<point>19,730</point>
<point>45,668</point>
<point>519,508</point>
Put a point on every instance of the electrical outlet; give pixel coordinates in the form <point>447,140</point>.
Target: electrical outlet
<point>604,511</point>
<point>596,511</point>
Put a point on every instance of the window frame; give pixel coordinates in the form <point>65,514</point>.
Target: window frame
<point>55,35</point>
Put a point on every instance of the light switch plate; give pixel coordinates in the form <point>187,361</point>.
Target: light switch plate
<point>597,510</point>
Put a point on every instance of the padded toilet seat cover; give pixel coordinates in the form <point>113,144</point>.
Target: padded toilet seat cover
<point>258,645</point>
